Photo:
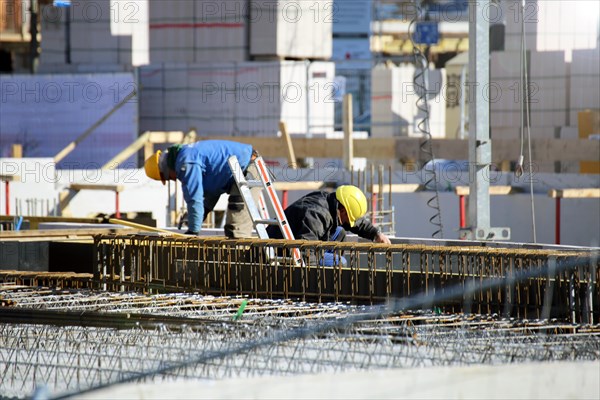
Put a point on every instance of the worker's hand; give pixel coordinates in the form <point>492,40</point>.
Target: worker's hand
<point>191,233</point>
<point>381,238</point>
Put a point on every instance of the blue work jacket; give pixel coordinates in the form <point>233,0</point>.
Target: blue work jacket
<point>204,173</point>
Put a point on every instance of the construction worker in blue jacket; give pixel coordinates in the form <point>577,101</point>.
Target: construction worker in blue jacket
<point>326,216</point>
<point>204,173</point>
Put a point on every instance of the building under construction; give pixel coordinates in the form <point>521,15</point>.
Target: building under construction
<point>489,287</point>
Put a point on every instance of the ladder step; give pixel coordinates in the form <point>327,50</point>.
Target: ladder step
<point>272,221</point>
<point>252,184</point>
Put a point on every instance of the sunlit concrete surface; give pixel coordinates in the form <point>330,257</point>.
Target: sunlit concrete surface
<point>562,380</point>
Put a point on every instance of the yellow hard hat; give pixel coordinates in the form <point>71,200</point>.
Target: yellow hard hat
<point>151,167</point>
<point>353,200</point>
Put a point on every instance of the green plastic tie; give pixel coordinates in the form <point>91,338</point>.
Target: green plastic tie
<point>240,310</point>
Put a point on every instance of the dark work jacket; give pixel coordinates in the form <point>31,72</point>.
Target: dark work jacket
<point>314,217</point>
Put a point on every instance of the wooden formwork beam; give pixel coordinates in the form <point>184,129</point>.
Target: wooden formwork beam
<point>575,193</point>
<point>494,190</point>
<point>55,234</point>
<point>147,140</point>
<point>291,155</point>
<point>543,150</point>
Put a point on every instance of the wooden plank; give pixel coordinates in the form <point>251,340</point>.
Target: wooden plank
<point>145,228</point>
<point>588,122</point>
<point>167,136</point>
<point>319,148</point>
<point>83,186</point>
<point>575,193</point>
<point>17,150</point>
<point>62,233</point>
<point>494,190</point>
<point>148,150</point>
<point>546,150</point>
<point>147,141</point>
<point>401,188</point>
<point>409,149</point>
<point>298,185</point>
<point>54,219</point>
<point>502,149</point>
<point>128,151</point>
<point>64,199</point>
<point>266,146</point>
<point>291,156</point>
<point>375,148</point>
<point>132,227</point>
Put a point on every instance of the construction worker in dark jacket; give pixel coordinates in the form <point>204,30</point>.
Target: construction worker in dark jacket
<point>326,216</point>
<point>204,173</point>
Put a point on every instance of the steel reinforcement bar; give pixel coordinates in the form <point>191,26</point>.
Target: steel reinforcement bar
<point>373,274</point>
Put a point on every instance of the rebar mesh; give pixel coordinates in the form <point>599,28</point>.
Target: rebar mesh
<point>78,340</point>
<point>374,273</point>
<point>210,345</point>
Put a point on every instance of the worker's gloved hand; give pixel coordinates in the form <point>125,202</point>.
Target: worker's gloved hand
<point>191,233</point>
<point>381,238</point>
